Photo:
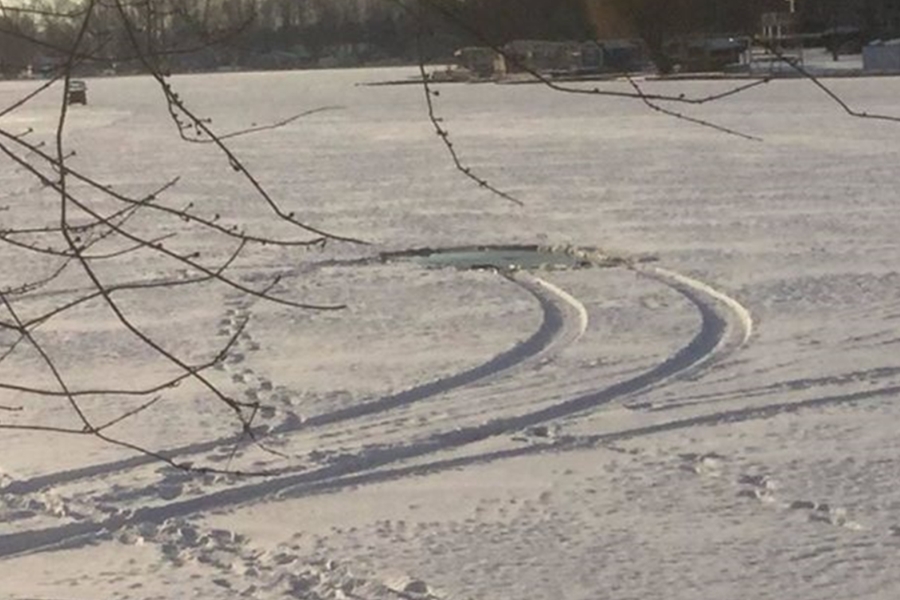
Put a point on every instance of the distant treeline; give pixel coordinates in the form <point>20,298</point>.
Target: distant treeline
<point>201,34</point>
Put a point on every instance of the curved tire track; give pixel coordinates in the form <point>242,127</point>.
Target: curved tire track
<point>564,321</point>
<point>725,326</point>
<point>713,305</point>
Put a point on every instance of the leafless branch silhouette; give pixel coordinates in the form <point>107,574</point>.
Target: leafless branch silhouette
<point>66,248</point>
<point>85,236</point>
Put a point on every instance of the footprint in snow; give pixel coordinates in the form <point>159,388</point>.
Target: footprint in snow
<point>709,463</point>
<point>758,481</point>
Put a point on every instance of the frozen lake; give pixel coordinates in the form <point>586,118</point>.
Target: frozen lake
<point>718,422</point>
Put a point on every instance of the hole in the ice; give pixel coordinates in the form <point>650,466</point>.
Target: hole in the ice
<point>506,257</point>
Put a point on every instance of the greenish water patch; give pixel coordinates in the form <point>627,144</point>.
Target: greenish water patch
<point>503,258</point>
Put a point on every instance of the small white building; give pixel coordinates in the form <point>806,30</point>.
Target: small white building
<point>778,25</point>
<point>882,56</point>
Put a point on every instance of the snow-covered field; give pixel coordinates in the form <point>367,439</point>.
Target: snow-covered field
<point>719,423</point>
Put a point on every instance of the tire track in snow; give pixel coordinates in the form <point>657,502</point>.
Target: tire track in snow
<point>564,320</point>
<point>722,316</point>
<point>449,409</point>
<point>574,443</point>
<point>706,298</point>
<point>738,415</point>
<point>725,326</point>
<point>745,319</point>
<point>868,376</point>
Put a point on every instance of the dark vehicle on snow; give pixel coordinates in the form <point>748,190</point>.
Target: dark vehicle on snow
<point>77,93</point>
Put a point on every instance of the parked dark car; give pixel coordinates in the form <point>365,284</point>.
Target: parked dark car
<point>77,92</point>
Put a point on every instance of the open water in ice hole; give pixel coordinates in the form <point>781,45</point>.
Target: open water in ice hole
<point>502,257</point>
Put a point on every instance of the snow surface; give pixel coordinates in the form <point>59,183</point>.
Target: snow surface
<point>717,424</point>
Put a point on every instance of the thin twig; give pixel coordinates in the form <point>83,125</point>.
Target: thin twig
<point>683,117</point>
<point>444,134</point>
